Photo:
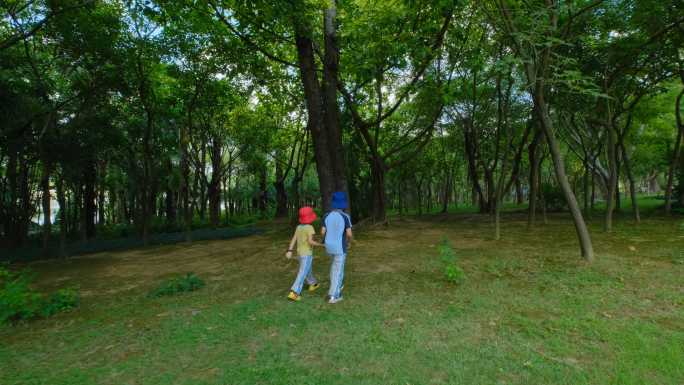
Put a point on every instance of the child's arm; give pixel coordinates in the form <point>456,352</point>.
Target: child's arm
<point>312,242</point>
<point>290,248</point>
<point>348,234</point>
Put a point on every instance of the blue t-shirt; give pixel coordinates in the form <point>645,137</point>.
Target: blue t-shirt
<point>336,223</point>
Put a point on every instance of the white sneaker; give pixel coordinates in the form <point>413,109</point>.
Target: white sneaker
<point>335,300</point>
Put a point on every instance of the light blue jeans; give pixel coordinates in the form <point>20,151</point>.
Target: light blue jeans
<point>304,273</point>
<point>336,275</point>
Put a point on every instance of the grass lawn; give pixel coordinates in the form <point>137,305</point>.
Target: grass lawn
<point>530,311</point>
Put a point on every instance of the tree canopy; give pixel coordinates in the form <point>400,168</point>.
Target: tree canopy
<point>160,115</point>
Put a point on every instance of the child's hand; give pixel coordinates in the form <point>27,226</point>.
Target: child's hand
<point>288,255</point>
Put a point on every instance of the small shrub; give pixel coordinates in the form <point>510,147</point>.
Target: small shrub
<point>678,258</point>
<point>186,283</point>
<point>61,300</point>
<point>452,272</point>
<point>19,302</point>
<point>554,199</point>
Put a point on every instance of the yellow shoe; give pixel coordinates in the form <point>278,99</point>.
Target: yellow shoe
<point>294,296</point>
<point>314,286</point>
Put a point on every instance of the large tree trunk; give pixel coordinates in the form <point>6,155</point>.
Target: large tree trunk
<point>331,108</point>
<point>379,193</point>
<point>214,193</point>
<point>314,106</point>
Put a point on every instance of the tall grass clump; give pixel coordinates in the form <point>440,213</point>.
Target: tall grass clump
<point>453,273</point>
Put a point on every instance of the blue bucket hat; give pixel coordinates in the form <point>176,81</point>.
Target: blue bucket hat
<point>339,200</point>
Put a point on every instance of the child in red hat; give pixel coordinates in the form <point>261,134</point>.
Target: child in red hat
<point>303,238</point>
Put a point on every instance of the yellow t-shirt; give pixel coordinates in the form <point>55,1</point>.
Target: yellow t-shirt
<point>302,235</point>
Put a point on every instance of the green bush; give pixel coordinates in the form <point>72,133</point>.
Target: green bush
<point>554,199</point>
<point>61,300</point>
<point>19,302</point>
<point>186,283</point>
<point>452,272</point>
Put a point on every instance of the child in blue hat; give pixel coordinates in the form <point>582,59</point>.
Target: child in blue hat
<point>337,233</point>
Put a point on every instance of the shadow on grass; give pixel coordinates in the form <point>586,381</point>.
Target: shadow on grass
<point>33,252</point>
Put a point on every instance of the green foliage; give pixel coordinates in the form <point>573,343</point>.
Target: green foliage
<point>18,301</point>
<point>176,285</point>
<point>59,301</point>
<point>452,272</point>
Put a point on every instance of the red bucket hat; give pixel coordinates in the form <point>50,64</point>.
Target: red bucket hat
<point>306,215</point>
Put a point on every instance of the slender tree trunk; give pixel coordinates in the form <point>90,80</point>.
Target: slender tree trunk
<point>535,163</point>
<point>593,191</point>
<point>263,197</point>
<point>497,221</point>
<point>585,187</point>
<point>612,178</point>
<point>559,167</point>
<point>101,220</point>
<point>419,195</point>
<point>519,196</point>
<point>170,205</point>
<point>46,200</point>
<point>296,197</point>
<point>446,197</point>
<point>226,192</point>
<point>203,193</point>
<point>89,208</point>
<point>618,193</point>
<point>632,184</point>
<point>675,154</point>
<point>61,199</point>
<point>281,193</point>
<point>401,198</point>
<point>82,218</point>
